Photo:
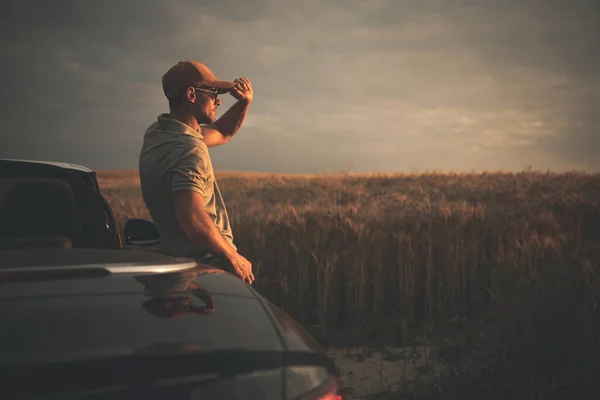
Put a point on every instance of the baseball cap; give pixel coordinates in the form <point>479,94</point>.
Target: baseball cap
<point>192,73</point>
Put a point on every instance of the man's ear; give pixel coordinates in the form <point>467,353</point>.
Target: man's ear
<point>190,93</point>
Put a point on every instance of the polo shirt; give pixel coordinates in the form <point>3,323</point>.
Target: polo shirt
<point>174,157</point>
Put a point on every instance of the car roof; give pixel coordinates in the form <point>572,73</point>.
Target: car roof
<point>64,165</point>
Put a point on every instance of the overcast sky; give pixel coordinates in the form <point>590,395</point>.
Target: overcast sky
<point>340,85</point>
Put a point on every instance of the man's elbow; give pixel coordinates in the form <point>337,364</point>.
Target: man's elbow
<point>226,139</point>
<point>225,133</point>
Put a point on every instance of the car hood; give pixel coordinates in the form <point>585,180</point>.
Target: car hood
<point>57,319</point>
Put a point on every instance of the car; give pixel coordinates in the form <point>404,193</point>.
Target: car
<point>89,313</point>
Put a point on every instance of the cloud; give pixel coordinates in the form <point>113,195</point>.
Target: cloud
<point>362,85</point>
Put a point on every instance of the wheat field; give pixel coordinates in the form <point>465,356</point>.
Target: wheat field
<point>500,268</point>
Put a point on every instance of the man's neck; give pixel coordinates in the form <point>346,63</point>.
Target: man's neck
<point>184,118</point>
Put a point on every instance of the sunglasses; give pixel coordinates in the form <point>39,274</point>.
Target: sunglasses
<point>213,93</point>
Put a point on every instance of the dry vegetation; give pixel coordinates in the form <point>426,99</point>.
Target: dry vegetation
<point>499,272</point>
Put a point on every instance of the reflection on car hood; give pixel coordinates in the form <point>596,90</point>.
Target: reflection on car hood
<point>65,320</point>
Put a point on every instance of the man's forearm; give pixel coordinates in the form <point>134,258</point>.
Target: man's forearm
<point>203,232</point>
<point>233,118</point>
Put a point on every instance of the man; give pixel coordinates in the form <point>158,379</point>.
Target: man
<point>176,172</point>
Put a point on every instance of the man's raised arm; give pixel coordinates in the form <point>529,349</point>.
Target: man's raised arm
<point>230,123</point>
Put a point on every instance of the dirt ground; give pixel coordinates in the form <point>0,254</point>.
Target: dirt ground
<point>375,374</point>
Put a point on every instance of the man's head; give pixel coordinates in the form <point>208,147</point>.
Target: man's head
<point>192,88</point>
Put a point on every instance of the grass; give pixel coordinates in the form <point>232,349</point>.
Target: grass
<point>498,271</point>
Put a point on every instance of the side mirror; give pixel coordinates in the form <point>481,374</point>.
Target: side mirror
<point>141,232</point>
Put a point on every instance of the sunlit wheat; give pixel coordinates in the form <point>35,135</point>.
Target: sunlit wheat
<point>520,252</point>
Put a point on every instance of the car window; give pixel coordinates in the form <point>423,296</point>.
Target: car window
<point>37,208</point>
<point>6,184</point>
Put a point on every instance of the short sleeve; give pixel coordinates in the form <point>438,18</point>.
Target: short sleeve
<point>190,173</point>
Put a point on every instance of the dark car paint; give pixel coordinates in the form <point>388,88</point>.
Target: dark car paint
<point>215,281</point>
<point>89,308</point>
<point>230,374</point>
<point>73,321</point>
<point>67,257</point>
<point>68,320</point>
<point>56,323</point>
<point>84,328</point>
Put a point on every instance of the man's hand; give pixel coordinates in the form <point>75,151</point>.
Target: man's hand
<point>241,267</point>
<point>242,90</point>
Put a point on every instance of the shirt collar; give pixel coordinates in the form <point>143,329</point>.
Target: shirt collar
<point>167,123</point>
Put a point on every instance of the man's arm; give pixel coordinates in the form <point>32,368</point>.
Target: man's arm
<point>230,123</point>
<point>197,224</point>
<point>199,227</point>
